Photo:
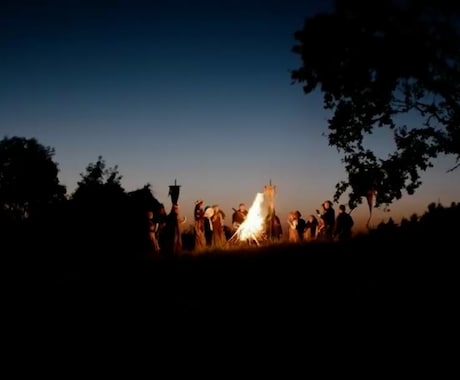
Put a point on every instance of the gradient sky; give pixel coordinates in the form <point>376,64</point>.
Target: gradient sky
<point>193,91</point>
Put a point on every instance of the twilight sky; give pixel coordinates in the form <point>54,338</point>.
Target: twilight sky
<point>193,91</point>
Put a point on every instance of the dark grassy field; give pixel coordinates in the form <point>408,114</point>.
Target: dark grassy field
<point>386,299</point>
<point>379,301</point>
<point>374,286</point>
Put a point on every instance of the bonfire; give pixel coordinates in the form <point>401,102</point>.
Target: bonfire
<point>253,227</point>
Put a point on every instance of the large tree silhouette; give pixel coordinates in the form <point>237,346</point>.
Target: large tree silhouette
<point>388,65</point>
<point>29,181</point>
<point>99,205</point>
<point>106,218</point>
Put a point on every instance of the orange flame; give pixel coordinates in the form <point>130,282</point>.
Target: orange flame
<point>253,225</point>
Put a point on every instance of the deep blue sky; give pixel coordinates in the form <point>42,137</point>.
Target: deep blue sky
<point>193,91</point>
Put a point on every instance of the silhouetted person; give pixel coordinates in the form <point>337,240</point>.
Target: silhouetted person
<point>199,227</point>
<point>343,224</point>
<point>273,228</point>
<point>293,233</point>
<point>160,218</point>
<point>152,226</point>
<point>173,231</point>
<point>311,228</point>
<point>218,234</point>
<point>300,225</point>
<point>239,216</point>
<point>208,213</point>
<point>327,225</point>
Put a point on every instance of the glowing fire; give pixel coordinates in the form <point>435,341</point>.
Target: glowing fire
<point>253,225</point>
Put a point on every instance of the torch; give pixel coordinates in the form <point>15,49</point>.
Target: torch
<point>174,192</point>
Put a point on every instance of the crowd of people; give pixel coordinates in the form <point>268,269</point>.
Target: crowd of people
<point>326,225</point>
<point>165,230</point>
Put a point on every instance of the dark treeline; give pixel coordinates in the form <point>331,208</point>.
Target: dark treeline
<point>100,220</point>
<point>38,219</point>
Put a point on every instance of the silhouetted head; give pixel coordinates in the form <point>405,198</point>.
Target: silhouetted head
<point>327,204</point>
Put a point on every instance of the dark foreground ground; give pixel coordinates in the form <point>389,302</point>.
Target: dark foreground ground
<point>369,293</point>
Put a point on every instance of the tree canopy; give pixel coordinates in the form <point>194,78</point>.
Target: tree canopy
<point>385,65</point>
<point>28,177</point>
<point>99,183</point>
